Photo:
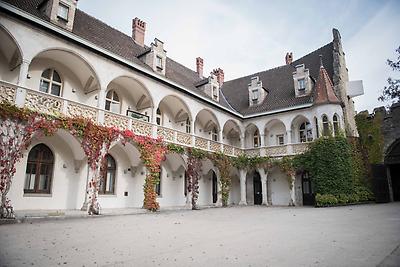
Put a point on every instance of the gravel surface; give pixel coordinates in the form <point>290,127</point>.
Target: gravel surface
<point>363,235</point>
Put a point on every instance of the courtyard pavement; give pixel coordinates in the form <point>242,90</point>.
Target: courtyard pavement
<point>364,235</point>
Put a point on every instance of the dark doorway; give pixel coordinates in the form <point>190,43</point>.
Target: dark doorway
<point>395,178</point>
<point>214,188</point>
<point>257,189</point>
<point>380,183</point>
<point>308,189</point>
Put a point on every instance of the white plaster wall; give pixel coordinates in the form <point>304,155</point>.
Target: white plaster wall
<point>67,189</point>
<point>172,188</point>
<point>5,72</point>
<point>272,132</point>
<point>205,190</point>
<point>234,194</point>
<point>280,192</point>
<point>249,188</point>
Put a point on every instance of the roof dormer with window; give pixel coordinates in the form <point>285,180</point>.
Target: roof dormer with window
<point>302,81</point>
<point>257,93</point>
<point>156,57</point>
<point>60,12</point>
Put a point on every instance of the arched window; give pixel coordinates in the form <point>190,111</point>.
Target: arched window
<point>50,82</point>
<point>187,125</point>
<point>256,138</point>
<point>112,101</point>
<point>158,117</point>
<point>107,182</point>
<point>316,127</point>
<point>158,185</point>
<point>305,132</point>
<point>325,125</point>
<point>39,170</point>
<point>214,134</point>
<point>335,124</point>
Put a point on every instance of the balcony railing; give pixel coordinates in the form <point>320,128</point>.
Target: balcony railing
<point>50,104</point>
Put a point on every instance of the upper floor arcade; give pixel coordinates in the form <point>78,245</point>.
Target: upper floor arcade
<point>49,74</point>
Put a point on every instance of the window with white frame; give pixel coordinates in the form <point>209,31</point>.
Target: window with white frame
<point>188,128</point>
<point>280,139</point>
<point>63,11</point>
<point>256,139</point>
<point>107,180</point>
<point>305,132</point>
<point>336,125</point>
<point>112,101</point>
<point>214,134</point>
<point>158,116</point>
<point>50,82</point>
<point>302,84</point>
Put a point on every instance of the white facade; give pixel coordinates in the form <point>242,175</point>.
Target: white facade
<point>87,76</point>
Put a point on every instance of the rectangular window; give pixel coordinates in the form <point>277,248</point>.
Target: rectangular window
<point>158,186</point>
<point>280,140</point>
<point>63,11</point>
<point>159,62</point>
<point>254,95</point>
<point>302,84</point>
<point>215,92</point>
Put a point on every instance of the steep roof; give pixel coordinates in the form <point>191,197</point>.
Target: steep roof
<point>323,89</point>
<point>279,84</point>
<point>233,94</point>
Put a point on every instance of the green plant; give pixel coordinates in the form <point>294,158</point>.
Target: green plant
<point>325,200</point>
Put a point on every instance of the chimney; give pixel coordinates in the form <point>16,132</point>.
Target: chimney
<point>289,58</point>
<point>199,66</point>
<point>220,76</point>
<point>138,31</point>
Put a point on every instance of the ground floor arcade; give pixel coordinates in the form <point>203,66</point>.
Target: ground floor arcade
<point>53,175</point>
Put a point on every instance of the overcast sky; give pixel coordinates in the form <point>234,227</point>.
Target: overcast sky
<point>244,37</point>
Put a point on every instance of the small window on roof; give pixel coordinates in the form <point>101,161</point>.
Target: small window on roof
<point>302,84</point>
<point>63,11</point>
<point>159,62</point>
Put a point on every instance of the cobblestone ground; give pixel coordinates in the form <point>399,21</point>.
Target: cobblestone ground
<point>365,235</point>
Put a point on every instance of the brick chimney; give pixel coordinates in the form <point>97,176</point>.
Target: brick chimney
<point>289,58</point>
<point>138,31</point>
<point>199,66</point>
<point>220,76</point>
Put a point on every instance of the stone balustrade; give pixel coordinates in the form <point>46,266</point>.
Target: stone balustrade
<point>55,105</point>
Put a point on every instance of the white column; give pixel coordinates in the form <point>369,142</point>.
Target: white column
<point>219,193</point>
<point>101,103</point>
<point>242,177</point>
<point>192,131</point>
<point>242,144</point>
<point>289,136</point>
<point>264,175</point>
<point>293,191</point>
<point>21,92</point>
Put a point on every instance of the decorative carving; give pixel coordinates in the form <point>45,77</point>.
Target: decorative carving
<point>184,138</point>
<point>141,127</point>
<point>43,102</point>
<point>228,149</point>
<point>114,120</point>
<point>276,150</point>
<point>238,151</point>
<point>74,109</point>
<point>7,93</point>
<point>300,148</point>
<point>215,146</point>
<point>253,152</point>
<point>167,134</point>
<point>201,143</point>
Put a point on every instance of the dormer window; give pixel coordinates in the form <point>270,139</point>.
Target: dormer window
<point>301,80</point>
<point>63,11</point>
<point>257,92</point>
<point>159,62</point>
<point>302,84</point>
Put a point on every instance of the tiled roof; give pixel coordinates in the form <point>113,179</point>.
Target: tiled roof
<point>234,93</point>
<point>323,92</point>
<point>279,84</point>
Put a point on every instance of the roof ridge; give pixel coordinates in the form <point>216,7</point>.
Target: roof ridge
<point>312,52</point>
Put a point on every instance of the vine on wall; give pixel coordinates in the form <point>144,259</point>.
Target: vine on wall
<point>223,163</point>
<point>193,173</point>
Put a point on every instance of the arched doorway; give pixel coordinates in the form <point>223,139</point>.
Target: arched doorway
<point>392,161</point>
<point>214,187</point>
<point>257,188</point>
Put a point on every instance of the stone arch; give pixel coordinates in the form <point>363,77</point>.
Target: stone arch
<point>11,56</point>
<point>252,135</point>
<point>87,75</point>
<point>274,130</point>
<point>205,121</point>
<point>232,133</point>
<point>134,95</point>
<point>295,125</point>
<point>176,111</point>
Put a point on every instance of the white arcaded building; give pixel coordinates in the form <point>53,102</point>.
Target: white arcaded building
<point>55,58</point>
